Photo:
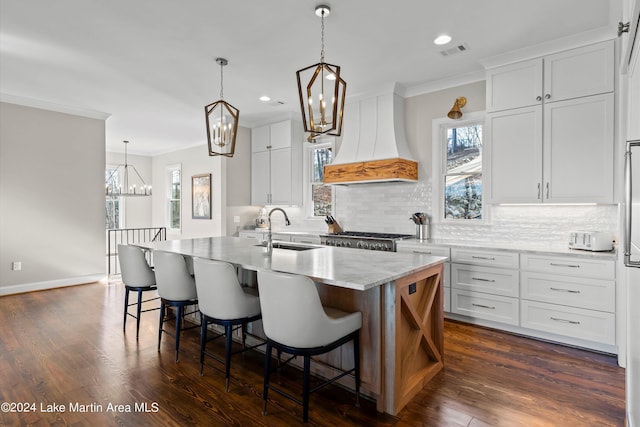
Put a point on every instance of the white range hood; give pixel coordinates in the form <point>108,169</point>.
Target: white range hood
<point>374,147</point>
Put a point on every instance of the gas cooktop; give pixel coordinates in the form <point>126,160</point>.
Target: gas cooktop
<point>364,240</point>
<point>367,234</point>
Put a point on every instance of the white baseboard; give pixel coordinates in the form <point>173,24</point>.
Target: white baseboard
<point>50,284</point>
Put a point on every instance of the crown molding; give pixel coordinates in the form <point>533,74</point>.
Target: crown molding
<point>50,106</point>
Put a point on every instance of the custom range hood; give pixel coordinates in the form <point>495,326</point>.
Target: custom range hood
<point>374,147</point>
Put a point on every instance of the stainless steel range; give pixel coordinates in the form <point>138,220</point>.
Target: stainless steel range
<point>364,240</point>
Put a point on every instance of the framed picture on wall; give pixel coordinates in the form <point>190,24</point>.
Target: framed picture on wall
<point>201,196</point>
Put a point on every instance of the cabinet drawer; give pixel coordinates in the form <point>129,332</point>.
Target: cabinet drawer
<point>574,322</point>
<point>315,240</point>
<point>429,250</point>
<point>484,306</point>
<point>581,267</point>
<point>488,258</point>
<point>572,291</point>
<point>495,281</point>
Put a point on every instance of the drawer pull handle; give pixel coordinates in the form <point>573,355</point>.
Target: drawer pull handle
<point>484,306</point>
<point>564,265</point>
<point>571,291</point>
<point>557,319</point>
<point>480,279</point>
<point>420,252</point>
<point>483,257</point>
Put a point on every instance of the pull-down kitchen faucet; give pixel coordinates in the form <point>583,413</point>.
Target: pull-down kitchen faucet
<point>269,237</point>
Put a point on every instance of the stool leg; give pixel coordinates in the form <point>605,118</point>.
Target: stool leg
<point>227,355</point>
<point>305,389</point>
<point>203,340</point>
<point>126,308</point>
<point>139,309</point>
<point>267,373</point>
<point>162,314</point>
<point>356,364</point>
<point>178,328</point>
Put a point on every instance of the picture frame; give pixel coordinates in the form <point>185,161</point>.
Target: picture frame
<point>201,196</point>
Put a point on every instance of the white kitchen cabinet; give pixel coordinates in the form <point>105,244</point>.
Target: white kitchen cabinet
<point>558,148</point>
<point>485,285</point>
<point>412,246</point>
<point>311,239</point>
<point>574,73</point>
<point>276,169</point>
<point>571,297</point>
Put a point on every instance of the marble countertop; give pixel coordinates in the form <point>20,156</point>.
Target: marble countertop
<point>526,247</point>
<point>357,269</point>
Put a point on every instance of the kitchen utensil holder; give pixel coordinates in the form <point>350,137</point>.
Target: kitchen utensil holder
<point>422,231</point>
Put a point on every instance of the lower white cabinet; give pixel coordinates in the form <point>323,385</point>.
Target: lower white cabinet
<point>591,325</point>
<point>572,297</point>
<point>485,306</point>
<point>497,281</point>
<point>311,239</point>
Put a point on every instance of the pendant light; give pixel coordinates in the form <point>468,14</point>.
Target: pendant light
<point>322,92</point>
<point>222,122</point>
<point>118,185</point>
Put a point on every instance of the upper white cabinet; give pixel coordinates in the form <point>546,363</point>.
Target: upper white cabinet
<point>565,75</point>
<point>276,164</point>
<point>549,133</point>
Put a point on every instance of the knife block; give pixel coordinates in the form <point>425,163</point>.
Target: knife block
<point>335,228</point>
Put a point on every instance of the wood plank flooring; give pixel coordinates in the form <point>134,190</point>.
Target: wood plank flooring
<point>66,347</point>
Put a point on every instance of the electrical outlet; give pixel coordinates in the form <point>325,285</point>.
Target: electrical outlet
<point>236,219</point>
<point>16,266</point>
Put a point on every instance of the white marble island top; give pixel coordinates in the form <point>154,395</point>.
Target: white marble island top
<point>357,269</point>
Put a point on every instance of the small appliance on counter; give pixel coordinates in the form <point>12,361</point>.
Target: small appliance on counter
<point>263,218</point>
<point>421,220</point>
<point>596,241</point>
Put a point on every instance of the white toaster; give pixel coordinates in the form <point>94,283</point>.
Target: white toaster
<point>591,240</point>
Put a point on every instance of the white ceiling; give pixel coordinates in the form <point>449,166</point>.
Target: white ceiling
<point>150,64</point>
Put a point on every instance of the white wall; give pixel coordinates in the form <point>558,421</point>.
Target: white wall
<point>52,200</point>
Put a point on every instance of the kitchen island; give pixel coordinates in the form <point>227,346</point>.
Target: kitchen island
<point>400,297</point>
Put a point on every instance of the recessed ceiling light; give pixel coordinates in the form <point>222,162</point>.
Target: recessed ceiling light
<point>442,39</point>
<point>265,98</point>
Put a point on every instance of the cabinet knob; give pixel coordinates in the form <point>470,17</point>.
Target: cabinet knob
<point>538,98</point>
<point>547,96</point>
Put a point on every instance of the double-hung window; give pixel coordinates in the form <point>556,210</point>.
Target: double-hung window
<point>174,197</point>
<point>320,196</point>
<point>114,207</point>
<point>458,166</point>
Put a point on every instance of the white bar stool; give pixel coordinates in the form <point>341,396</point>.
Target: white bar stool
<point>223,301</point>
<point>177,288</point>
<point>296,323</point>
<point>138,277</point>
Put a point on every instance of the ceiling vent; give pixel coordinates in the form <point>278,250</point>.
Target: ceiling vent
<point>462,47</point>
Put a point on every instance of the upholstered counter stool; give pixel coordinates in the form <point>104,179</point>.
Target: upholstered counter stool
<point>296,323</point>
<point>223,301</point>
<point>137,277</point>
<point>177,288</point>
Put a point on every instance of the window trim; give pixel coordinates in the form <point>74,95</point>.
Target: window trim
<point>169,169</point>
<point>307,190</point>
<point>438,138</point>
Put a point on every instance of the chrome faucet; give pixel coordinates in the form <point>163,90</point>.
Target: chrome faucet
<point>269,236</point>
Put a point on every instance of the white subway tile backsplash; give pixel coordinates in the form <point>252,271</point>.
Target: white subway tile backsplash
<point>387,207</point>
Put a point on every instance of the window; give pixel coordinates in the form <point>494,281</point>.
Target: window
<point>114,209</point>
<point>174,191</point>
<point>459,168</point>
<point>320,196</point>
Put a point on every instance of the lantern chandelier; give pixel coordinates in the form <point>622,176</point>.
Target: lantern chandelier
<point>322,92</point>
<point>116,183</point>
<point>222,122</point>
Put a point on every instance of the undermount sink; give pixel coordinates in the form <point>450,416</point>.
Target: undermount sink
<point>290,246</point>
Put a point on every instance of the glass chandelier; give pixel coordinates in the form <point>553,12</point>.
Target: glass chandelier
<point>322,92</point>
<point>118,185</point>
<point>222,122</point>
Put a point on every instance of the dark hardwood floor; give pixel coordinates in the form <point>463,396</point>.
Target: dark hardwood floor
<point>66,347</point>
